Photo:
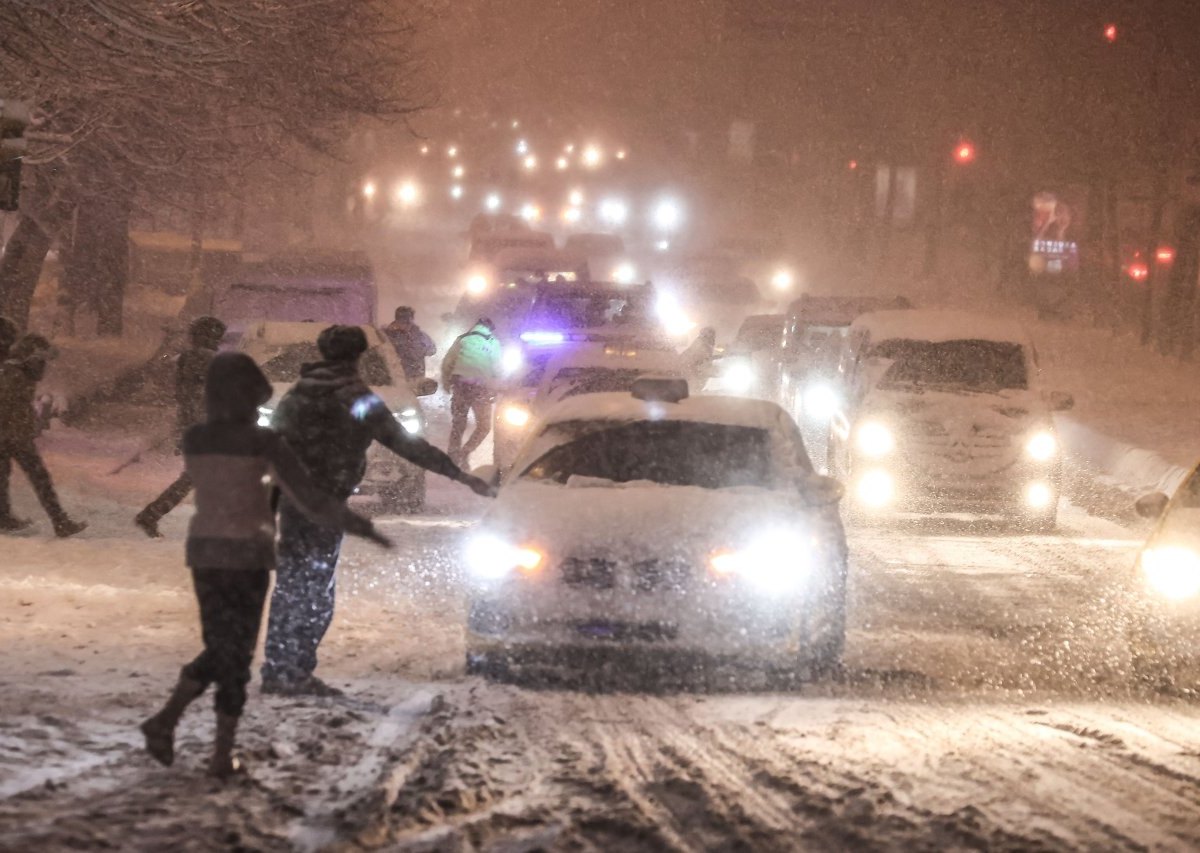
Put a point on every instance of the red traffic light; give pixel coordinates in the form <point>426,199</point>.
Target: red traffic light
<point>1110,33</point>
<point>964,152</point>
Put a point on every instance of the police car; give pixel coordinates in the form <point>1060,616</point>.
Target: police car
<point>652,521</point>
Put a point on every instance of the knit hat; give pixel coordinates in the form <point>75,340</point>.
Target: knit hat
<point>234,388</point>
<point>342,343</point>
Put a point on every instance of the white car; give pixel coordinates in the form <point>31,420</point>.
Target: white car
<point>594,368</point>
<point>281,349</point>
<point>944,412</point>
<point>650,522</point>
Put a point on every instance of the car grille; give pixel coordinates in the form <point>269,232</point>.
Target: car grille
<point>643,575</point>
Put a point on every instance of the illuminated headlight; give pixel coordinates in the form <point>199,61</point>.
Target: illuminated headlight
<point>265,414</point>
<point>782,280</point>
<point>674,320</point>
<point>876,489</point>
<point>477,285</point>
<point>875,440</point>
<point>1042,446</point>
<point>410,419</point>
<point>1039,496</point>
<point>515,415</point>
<point>820,402</point>
<point>775,561</point>
<point>1172,571</point>
<point>739,377</point>
<point>491,558</point>
<point>624,273</point>
<point>511,360</point>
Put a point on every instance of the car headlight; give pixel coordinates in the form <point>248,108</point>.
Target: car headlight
<point>1172,571</point>
<point>820,402</point>
<point>477,284</point>
<point>410,419</point>
<point>624,273</point>
<point>876,489</point>
<point>739,376</point>
<point>511,360</point>
<point>265,414</point>
<point>1042,446</point>
<point>492,558</point>
<point>875,440</point>
<point>515,415</point>
<point>774,561</point>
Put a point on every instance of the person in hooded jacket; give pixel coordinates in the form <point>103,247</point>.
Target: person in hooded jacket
<point>410,341</point>
<point>19,378</point>
<point>329,417</point>
<point>190,372</point>
<point>231,546</point>
<point>469,372</point>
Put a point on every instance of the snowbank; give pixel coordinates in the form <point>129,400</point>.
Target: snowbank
<point>1133,469</point>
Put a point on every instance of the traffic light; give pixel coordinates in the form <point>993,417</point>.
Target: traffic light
<point>14,118</point>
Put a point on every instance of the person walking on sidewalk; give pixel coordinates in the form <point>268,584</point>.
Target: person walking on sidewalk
<point>9,332</point>
<point>410,342</point>
<point>329,418</point>
<point>469,372</point>
<point>231,548</point>
<point>190,371</point>
<point>19,378</point>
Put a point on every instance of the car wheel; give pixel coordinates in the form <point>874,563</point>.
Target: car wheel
<point>488,664</point>
<point>827,635</point>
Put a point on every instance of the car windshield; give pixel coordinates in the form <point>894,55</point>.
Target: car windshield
<point>970,364</point>
<point>670,453</point>
<point>760,335</point>
<point>282,364</point>
<point>582,310</point>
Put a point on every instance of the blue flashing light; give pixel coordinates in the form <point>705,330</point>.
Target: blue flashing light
<point>543,338</point>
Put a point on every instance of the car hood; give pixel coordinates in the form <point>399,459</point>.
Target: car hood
<point>1009,412</point>
<point>628,520</point>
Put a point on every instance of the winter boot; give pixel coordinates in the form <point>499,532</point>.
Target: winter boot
<point>223,764</point>
<point>148,524</point>
<point>67,527</point>
<point>160,729</point>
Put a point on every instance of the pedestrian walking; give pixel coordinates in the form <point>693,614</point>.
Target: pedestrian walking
<point>411,343</point>
<point>469,373</point>
<point>231,546</point>
<point>329,418</point>
<point>205,334</point>
<point>20,374</point>
<point>9,332</point>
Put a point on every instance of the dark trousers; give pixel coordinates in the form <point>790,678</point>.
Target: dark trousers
<point>231,605</point>
<point>468,397</point>
<point>25,454</point>
<point>171,497</point>
<point>302,603</point>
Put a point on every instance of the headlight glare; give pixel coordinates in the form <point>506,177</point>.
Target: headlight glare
<point>875,440</point>
<point>774,561</point>
<point>491,558</point>
<point>820,402</point>
<point>739,376</point>
<point>265,414</point>
<point>511,360</point>
<point>515,415</point>
<point>1172,571</point>
<point>1042,446</point>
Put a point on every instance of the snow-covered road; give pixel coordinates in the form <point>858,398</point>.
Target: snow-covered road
<point>985,704</point>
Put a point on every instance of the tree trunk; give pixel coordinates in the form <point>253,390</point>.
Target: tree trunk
<point>100,259</point>
<point>20,269</point>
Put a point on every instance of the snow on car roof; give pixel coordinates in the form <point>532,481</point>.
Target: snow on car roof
<point>277,333</point>
<point>939,326</point>
<point>727,411</point>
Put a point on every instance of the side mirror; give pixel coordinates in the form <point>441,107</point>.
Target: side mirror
<point>488,473</point>
<point>1151,506</point>
<point>1061,401</point>
<point>424,387</point>
<point>821,491</point>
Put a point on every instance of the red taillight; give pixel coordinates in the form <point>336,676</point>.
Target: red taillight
<point>1139,272</point>
<point>1164,255</point>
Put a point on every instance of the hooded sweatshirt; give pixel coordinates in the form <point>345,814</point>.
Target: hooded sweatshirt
<point>232,462</point>
<point>330,417</point>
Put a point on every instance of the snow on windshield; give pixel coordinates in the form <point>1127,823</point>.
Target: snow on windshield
<point>987,365</point>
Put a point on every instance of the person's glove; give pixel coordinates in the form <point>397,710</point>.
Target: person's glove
<point>480,487</point>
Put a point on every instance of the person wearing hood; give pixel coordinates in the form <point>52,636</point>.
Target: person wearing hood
<point>190,371</point>
<point>469,372</point>
<point>329,417</point>
<point>231,545</point>
<point>410,341</point>
<point>19,377</point>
